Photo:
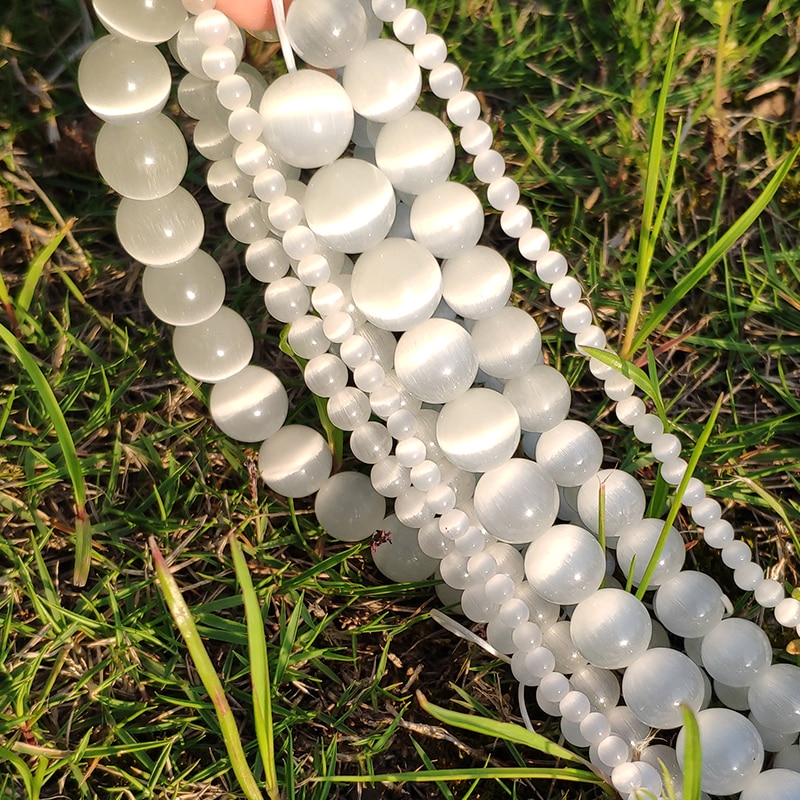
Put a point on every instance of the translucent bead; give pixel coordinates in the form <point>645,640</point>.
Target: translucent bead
<point>595,727</point>
<point>401,424</point>
<point>624,501</point>
<point>613,751</point>
<point>554,687</point>
<point>431,541</point>
<point>515,220</point>
<point>718,534</point>
<point>599,685</point>
<point>397,270</point>
<point>212,27</point>
<point>155,159</point>
<point>658,684</point>
<point>513,613</point>
<point>162,231</point>
<point>198,6</point>
<point>774,741</point>
<point>147,21</point>
<point>426,475</point>
<point>690,604</point>
<point>706,511</point>
<point>775,698</point>
<point>415,152</point>
<point>350,205</point>
<point>435,361</point>
<point>229,184</point>
<point>266,261</point>
<point>250,406</point>
<point>626,777</point>
<point>507,343</point>
<point>295,462</point>
<point>551,266</point>
<point>284,213</point>
<point>673,470</point>
<point>476,137</point>
<point>370,442</point>
<point>388,10</point>
<point>635,548</point>
<point>399,558</point>
<point>383,80</point>
<point>565,292</point>
<point>476,606</point>
<point>571,452</point>
<point>731,750</point>
<point>478,430</point>
<point>748,576</point>
<point>530,666</point>
<point>245,124</point>
<point>219,62</point>
<point>629,410</point>
<point>389,478</point>
<point>123,81</point>
<point>245,222</point>
<point>535,246</point>
<point>516,501</point>
<point>348,409</point>
<point>735,652</point>
<point>446,80</point>
<point>189,50</point>
<point>234,92</point>
<point>409,26</point>
<point>477,283</point>
<point>488,166</point>
<point>447,219</point>
<point>410,452</point>
<point>338,326</point>
<point>348,508</point>
<point>185,293</point>
<point>618,387</point>
<point>788,758</point>
<point>198,98</point>
<point>576,317</point>
<point>734,697</point>
<point>736,554</point>
<point>648,428</point>
<point>326,34</point>
<point>214,349</point>
<point>666,447</point>
<point>300,242</point>
<point>592,336</point>
<point>369,377</point>
<point>269,185</point>
<point>499,588</point>
<point>527,635</point>
<point>787,612</point>
<point>777,784</point>
<point>541,397</point>
<point>430,51</point>
<point>308,118</point>
<point>212,139</point>
<point>325,375</point>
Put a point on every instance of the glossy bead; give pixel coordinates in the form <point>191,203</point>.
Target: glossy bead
<point>446,80</point>
<point>595,727</point>
<point>306,337</point>
<point>718,534</point>
<point>690,604</point>
<point>541,396</point>
<point>736,652</point>
<point>409,26</point>
<point>611,628</point>
<point>774,741</point>
<point>348,409</point>
<point>599,685</point>
<point>295,462</point>
<point>636,545</point>
<point>287,299</point>
<point>507,343</point>
<point>516,501</point>
<point>769,593</point>
<point>535,246</point>
<point>245,221</point>
<point>732,751</point>
<point>629,410</point>
<point>400,558</point>
<point>189,50</point>
<point>214,349</point>
<point>775,698</point>
<point>430,51</point>
<point>478,430</point>
<point>147,21</point>
<point>326,34</point>
<point>624,501</point>
<point>777,784</point>
<point>477,283</point>
<point>571,452</point>
<point>370,442</point>
<point>348,508</point>
<point>735,554</point>
<point>787,612</point>
<point>229,184</point>
<point>308,118</point>
<point>447,219</point>
<point>250,406</point>
<point>162,231</point>
<point>325,375</point>
<point>648,428</point>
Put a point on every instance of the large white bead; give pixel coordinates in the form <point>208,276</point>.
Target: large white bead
<point>508,343</point>
<point>400,559</point>
<point>447,219</point>
<point>775,698</point>
<point>624,501</point>
<point>541,396</point>
<point>477,283</point>
<point>348,508</point>
<point>776,784</point>
<point>150,21</point>
<point>326,33</point>
<point>689,605</point>
<point>571,452</point>
<point>295,462</point>
<point>736,652</point>
<point>636,545</point>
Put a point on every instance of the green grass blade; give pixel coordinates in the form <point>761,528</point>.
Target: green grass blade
<point>692,759</point>
<point>259,669</point>
<point>185,623</point>
<point>22,768</point>
<point>288,638</point>
<point>479,773</point>
<point>497,730</point>
<point>83,528</point>
<point>694,459</point>
<point>37,266</point>
<point>715,252</point>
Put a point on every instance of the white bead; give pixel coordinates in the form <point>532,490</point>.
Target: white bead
<point>476,137</point>
<point>500,587</point>
<point>430,51</point>
<point>388,10</point>
<point>233,92</point>
<point>595,727</point>
<point>629,410</point>
<point>219,61</point>
<point>284,213</point>
<point>648,428</point>
<point>613,751</point>
<point>706,511</point>
<point>748,576</point>
<point>198,6</point>
<point>694,493</point>
<point>718,534</point>
<point>252,157</point>
<point>574,706</point>
<point>787,612</point>
<point>287,299</point>
<point>593,336</point>
<point>626,778</point>
<point>535,246</point>
<point>673,470</point>
<point>299,241</point>
<point>212,27</point>
<point>736,554</point>
<point>269,185</point>
<point>503,193</point>
<point>338,326</point>
<point>516,220</point>
<point>314,269</point>
<point>768,593</point>
<point>513,612</point>
<point>565,291</point>
<point>409,26</point>
<point>446,80</point>
<point>601,371</point>
<point>554,687</point>
<point>425,476</point>
<point>551,266</point>
<point>576,318</point>
<point>488,166</point>
<point>244,124</point>
<point>617,386</point>
<point>666,447</point>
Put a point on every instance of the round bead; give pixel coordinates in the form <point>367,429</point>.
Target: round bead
<point>673,470</point>
<point>477,283</point>
<point>736,554</point>
<point>571,452</point>
<point>659,683</point>
<point>706,511</point>
<point>635,548</point>
<point>219,62</point>
<point>690,604</point>
<point>161,231</point>
<point>250,406</point>
<point>541,396</point>
<point>735,652</point>
<point>731,750</point>
<point>447,219</point>
<point>595,727</point>
<point>446,80</point>
<point>397,284</point>
<point>611,628</point>
<point>516,501</point>
<point>326,34</point>
<point>599,685</point>
<point>415,152</point>
<point>308,118</point>
<point>348,409</point>
<point>666,446</point>
<point>613,751</point>
<point>189,50</point>
<point>476,137</point>
<point>348,508</point>
<point>185,293</point>
<point>488,166</point>
<point>777,784</point>
<point>370,442</point>
<point>245,124</point>
<point>748,576</point>
<point>435,361</point>
<point>787,612</point>
<point>565,564</point>
<point>399,557</point>
<point>214,349</point>
<point>478,430</point>
<point>325,375</point>
<point>295,462</point>
<point>629,410</point>
<point>430,51</point>
<point>306,337</point>
<point>626,777</point>
<point>245,222</point>
<point>383,80</point>
<point>155,159</point>
<point>648,428</point>
<point>234,92</point>
<point>147,21</point>
<point>535,245</point>
<point>287,299</point>
<point>718,534</point>
<point>123,81</point>
<point>775,698</point>
<point>507,343</point>
<point>624,501</point>
<point>269,185</point>
<point>409,26</point>
<point>516,220</point>
<point>349,205</point>
<point>788,758</point>
<point>229,184</point>
<point>388,10</point>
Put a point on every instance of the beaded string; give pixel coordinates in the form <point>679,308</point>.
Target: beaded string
<point>338,325</point>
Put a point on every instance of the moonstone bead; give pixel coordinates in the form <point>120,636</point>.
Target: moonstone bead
<point>214,349</point>
<point>774,741</point>
<point>154,162</point>
<point>435,361</point>
<point>541,396</point>
<point>148,21</point>
<point>383,80</point>
<point>250,406</point>
<point>477,283</point>
<point>735,652</point>
<point>189,50</point>
<point>776,784</point>
<point>447,219</point>
<point>348,508</point>
<point>123,81</point>
<point>611,628</point>
<point>508,343</point>
<point>349,205</point>
<point>636,545</point>
<point>397,284</point>
<point>162,231</point>
<point>624,501</point>
<point>478,430</point>
<point>517,501</point>
<point>295,462</point>
<point>775,698</point>
<point>657,684</point>
<point>327,33</point>
<point>185,293</point>
<point>571,452</point>
<point>732,751</point>
<point>689,605</point>
<point>229,184</point>
<point>565,564</point>
<point>415,152</point>
<point>599,685</point>
<point>308,118</point>
<point>400,559</point>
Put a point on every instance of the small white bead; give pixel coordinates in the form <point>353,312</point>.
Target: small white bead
<point>410,452</point>
<point>502,193</point>
<point>476,137</point>
<point>284,213</point>
<point>551,266</point>
<point>251,157</point>
<point>565,291</point>
<point>355,351</point>
<point>787,612</point>
<point>618,387</point>
<point>769,593</point>
<point>666,447</point>
<point>718,534</point>
<point>453,523</point>
<point>748,576</point>
<point>424,477</point>
<point>595,727</point>
<point>369,377</point>
<point>463,108</point>
<point>673,470</point>
<point>500,587</point>
<point>534,245</point>
<point>315,270</point>
<point>388,10</point>
<point>299,241</point>
<point>401,424</point>
<point>593,336</point>
<point>516,220</point>
<point>613,750</point>
<point>212,27</point>
<point>554,687</point>
<point>600,370</point>
<point>233,92</point>
<point>430,51</point>
<point>514,612</point>
<point>695,492</point>
<point>409,26</point>
<point>576,318</point>
<point>488,166</point>
<point>629,410</point>
<point>446,80</point>
<point>626,778</point>
<point>245,124</point>
<point>219,62</point>
<point>706,511</point>
<point>338,326</point>
<point>269,185</point>
<point>575,706</point>
<point>199,6</point>
<point>647,428</point>
<point>528,636</point>
<point>736,554</point>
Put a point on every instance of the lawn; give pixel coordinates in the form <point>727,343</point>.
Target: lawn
<point>101,433</point>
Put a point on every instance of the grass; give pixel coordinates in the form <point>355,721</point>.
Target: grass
<point>98,697</point>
